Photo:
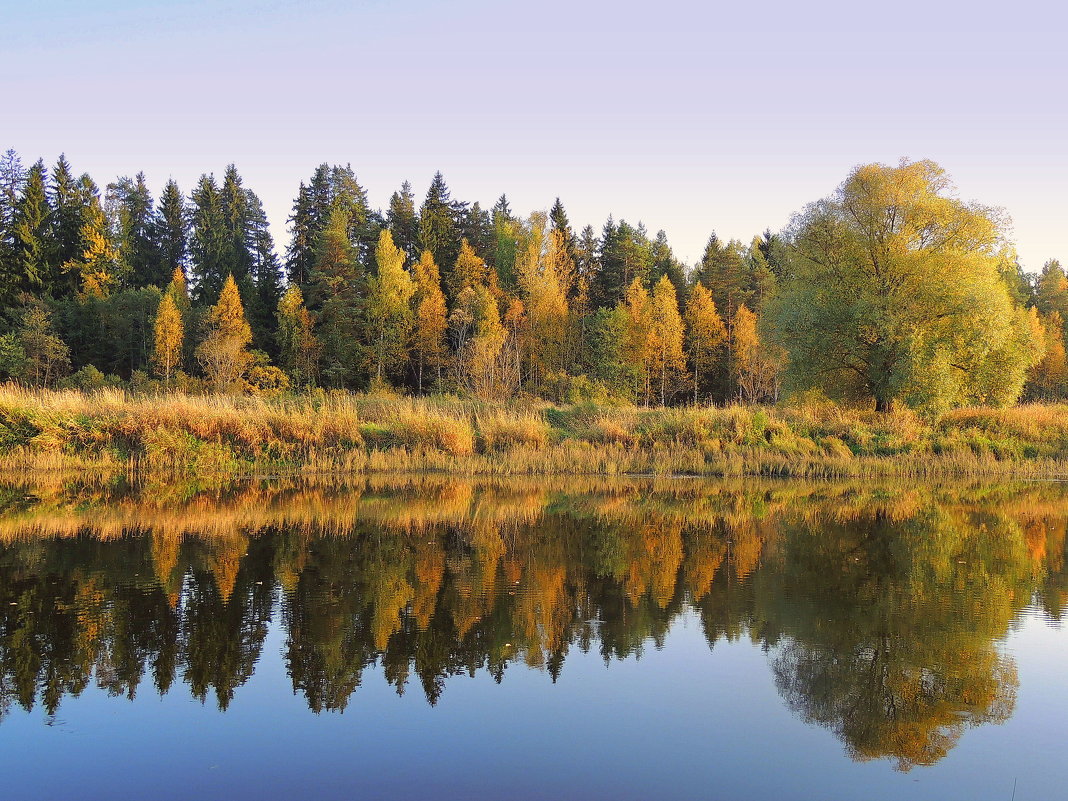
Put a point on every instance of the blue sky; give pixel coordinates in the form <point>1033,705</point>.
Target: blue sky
<point>690,117</point>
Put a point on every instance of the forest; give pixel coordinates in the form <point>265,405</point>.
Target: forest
<point>889,293</point>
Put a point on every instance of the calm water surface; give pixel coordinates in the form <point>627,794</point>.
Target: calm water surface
<point>535,639</point>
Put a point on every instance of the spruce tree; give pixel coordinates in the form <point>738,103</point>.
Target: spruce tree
<point>32,233</point>
<point>134,221</point>
<point>402,220</point>
<point>12,181</point>
<point>172,231</point>
<point>209,242</point>
<point>438,231</point>
<point>337,286</point>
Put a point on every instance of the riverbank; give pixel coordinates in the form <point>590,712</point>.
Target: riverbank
<point>342,432</point>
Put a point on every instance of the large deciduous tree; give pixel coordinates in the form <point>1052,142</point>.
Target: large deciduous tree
<point>894,293</point>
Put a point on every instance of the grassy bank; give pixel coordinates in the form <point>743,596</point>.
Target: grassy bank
<point>329,432</point>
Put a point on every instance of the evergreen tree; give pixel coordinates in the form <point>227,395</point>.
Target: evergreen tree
<point>266,278</point>
<point>560,223</point>
<point>403,221</point>
<point>665,263</point>
<point>337,284</point>
<point>438,229</point>
<point>66,200</point>
<point>389,308</point>
<point>32,233</point>
<point>237,216</point>
<point>300,255</point>
<point>476,227</point>
<point>209,242</point>
<point>130,207</point>
<point>172,231</point>
<point>12,183</point>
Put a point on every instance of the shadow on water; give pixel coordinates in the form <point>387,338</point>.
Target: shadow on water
<point>881,608</point>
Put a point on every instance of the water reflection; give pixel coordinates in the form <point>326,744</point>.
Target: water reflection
<point>881,608</point>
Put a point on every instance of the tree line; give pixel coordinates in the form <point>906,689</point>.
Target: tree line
<point>889,291</point>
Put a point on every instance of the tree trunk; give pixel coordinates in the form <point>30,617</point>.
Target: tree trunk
<point>882,405</point>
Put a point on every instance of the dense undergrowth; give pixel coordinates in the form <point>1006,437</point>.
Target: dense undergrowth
<point>323,432</point>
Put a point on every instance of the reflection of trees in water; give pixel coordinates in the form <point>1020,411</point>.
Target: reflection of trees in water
<point>882,611</point>
<point>890,628</point>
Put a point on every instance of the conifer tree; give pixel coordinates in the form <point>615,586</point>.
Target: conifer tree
<point>298,347</point>
<point>12,181</point>
<point>172,231</point>
<point>300,254</point>
<point>389,309</point>
<point>130,205</point>
<point>403,221</point>
<point>705,336</point>
<point>476,226</point>
<point>209,242</point>
<point>224,352</point>
<point>66,201</point>
<point>32,232</point>
<point>560,223</point>
<point>336,290</point>
<point>438,230</point>
<point>169,336</point>
<point>430,318</point>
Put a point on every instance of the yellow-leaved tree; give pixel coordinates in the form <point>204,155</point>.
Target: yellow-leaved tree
<point>469,270</point>
<point>98,265</point>
<point>428,339</point>
<point>705,336</point>
<point>298,347</point>
<point>543,282</point>
<point>667,362</point>
<point>636,339</point>
<point>389,307</point>
<point>895,293</point>
<point>169,334</point>
<point>224,354</point>
<point>754,363</point>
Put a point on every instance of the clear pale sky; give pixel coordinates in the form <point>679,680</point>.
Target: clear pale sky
<point>689,116</point>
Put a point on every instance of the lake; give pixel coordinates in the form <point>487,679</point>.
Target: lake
<point>420,637</point>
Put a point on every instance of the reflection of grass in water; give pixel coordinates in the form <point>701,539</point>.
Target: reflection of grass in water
<point>335,431</point>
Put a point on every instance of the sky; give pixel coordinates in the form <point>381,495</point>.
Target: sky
<point>691,117</point>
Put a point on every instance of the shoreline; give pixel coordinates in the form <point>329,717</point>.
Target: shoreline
<point>320,433</point>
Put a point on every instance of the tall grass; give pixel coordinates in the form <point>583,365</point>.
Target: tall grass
<point>115,431</point>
